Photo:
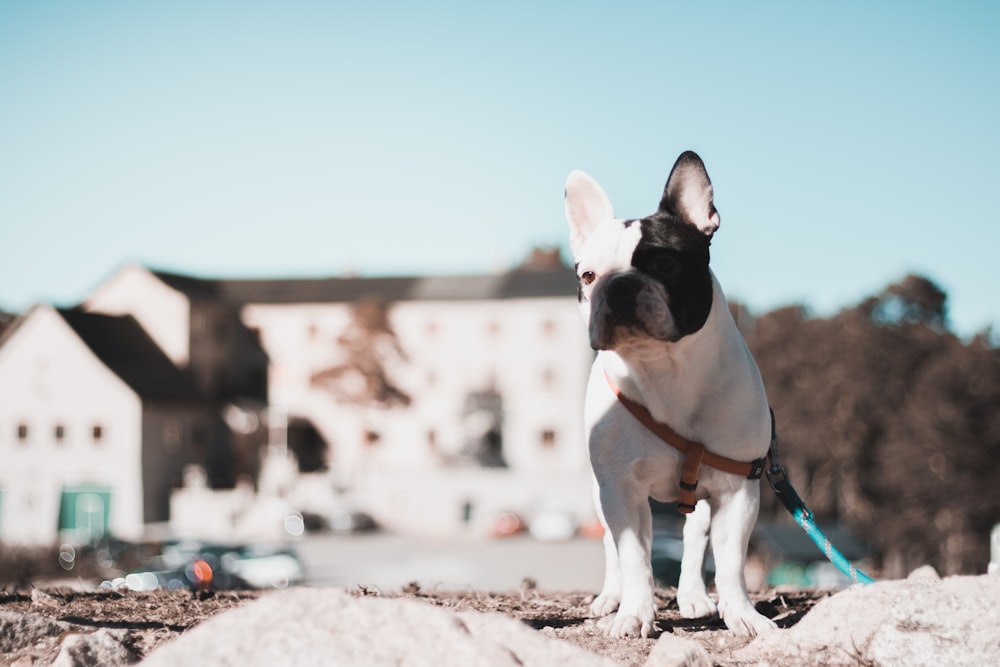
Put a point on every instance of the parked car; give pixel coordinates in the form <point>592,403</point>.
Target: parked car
<point>553,525</point>
<point>352,521</point>
<point>204,566</point>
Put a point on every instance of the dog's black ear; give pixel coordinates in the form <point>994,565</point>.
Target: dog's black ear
<point>689,194</point>
<point>587,206</point>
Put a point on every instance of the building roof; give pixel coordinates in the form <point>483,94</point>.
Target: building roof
<point>6,319</point>
<point>516,284</point>
<point>123,346</point>
<point>8,322</point>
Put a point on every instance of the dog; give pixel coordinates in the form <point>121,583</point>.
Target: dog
<point>665,340</point>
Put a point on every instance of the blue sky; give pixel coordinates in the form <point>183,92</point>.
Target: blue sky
<point>849,143</point>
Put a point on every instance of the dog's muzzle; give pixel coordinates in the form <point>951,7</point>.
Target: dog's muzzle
<point>624,304</point>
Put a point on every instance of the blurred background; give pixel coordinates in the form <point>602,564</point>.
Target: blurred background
<point>285,290</point>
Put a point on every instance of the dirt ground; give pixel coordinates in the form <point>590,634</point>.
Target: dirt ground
<point>153,618</point>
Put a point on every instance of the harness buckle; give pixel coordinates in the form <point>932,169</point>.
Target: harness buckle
<point>777,477</point>
<point>757,468</point>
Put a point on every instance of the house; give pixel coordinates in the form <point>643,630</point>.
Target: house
<point>199,329</point>
<point>437,402</point>
<point>96,425</point>
<point>434,403</point>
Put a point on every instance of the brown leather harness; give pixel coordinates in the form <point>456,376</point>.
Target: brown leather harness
<point>695,453</point>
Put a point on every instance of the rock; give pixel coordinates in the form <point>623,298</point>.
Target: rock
<point>102,648</point>
<point>21,631</point>
<point>327,626</point>
<point>922,621</point>
<point>924,572</point>
<point>80,647</point>
<point>673,651</point>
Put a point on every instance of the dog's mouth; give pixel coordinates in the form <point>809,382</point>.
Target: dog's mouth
<point>613,329</point>
<point>618,330</point>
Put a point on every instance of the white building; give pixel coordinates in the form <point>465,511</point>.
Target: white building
<point>432,403</point>
<point>492,368</point>
<point>95,427</point>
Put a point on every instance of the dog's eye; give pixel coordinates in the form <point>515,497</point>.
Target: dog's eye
<point>588,277</point>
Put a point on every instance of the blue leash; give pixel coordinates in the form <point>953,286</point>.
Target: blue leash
<point>777,477</point>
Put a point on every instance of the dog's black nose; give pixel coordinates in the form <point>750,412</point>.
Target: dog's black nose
<point>621,293</point>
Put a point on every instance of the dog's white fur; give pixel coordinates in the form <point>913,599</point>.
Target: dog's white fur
<point>706,386</point>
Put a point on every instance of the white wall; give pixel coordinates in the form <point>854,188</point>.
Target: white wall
<point>162,311</point>
<point>532,351</point>
<point>48,377</point>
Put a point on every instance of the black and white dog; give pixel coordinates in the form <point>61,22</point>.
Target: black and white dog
<point>666,340</point>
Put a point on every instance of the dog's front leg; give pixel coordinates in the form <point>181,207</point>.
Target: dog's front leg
<point>692,597</point>
<point>628,521</point>
<point>611,592</point>
<point>734,515</point>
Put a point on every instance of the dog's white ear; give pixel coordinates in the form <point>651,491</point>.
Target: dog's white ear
<point>689,194</point>
<point>587,206</point>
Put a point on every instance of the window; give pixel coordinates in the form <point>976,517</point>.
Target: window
<point>60,433</point>
<point>22,432</point>
<point>98,433</point>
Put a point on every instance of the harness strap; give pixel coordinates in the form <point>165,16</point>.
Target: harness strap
<point>689,477</point>
<point>695,452</point>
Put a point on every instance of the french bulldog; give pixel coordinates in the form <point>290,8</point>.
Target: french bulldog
<point>665,339</point>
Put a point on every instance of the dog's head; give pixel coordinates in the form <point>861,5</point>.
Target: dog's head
<point>647,279</point>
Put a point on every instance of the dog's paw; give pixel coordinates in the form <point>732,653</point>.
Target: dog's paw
<point>605,604</point>
<point>623,625</point>
<point>695,605</point>
<point>742,619</point>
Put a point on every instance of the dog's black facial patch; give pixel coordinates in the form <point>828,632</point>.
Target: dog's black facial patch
<point>676,255</point>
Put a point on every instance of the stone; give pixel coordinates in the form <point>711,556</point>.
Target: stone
<point>912,622</point>
<point>21,631</point>
<point>924,572</point>
<point>102,648</point>
<point>327,626</point>
<point>672,651</point>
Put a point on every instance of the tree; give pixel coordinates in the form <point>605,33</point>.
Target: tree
<point>370,347</point>
<point>888,423</point>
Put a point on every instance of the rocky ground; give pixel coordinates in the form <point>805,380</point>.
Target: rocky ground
<point>144,621</point>
<point>923,620</point>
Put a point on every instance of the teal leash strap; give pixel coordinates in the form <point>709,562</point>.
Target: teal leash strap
<point>777,477</point>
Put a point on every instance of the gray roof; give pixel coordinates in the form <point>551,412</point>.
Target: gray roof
<point>516,284</point>
<point>123,346</point>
